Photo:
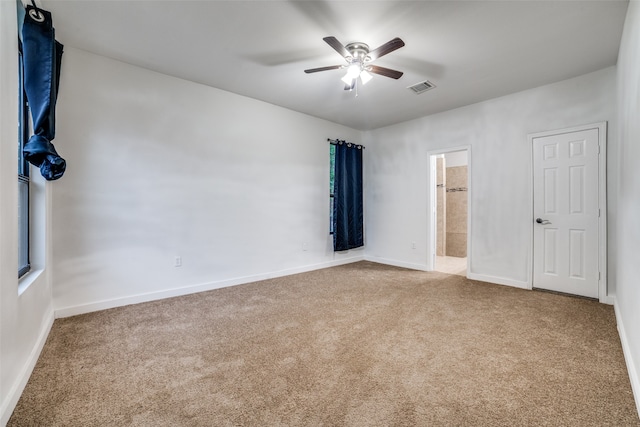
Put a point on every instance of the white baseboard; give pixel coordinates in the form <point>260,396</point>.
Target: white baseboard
<point>472,276</point>
<point>18,386</point>
<point>396,263</point>
<point>192,289</point>
<point>499,280</point>
<point>609,300</point>
<point>628,358</point>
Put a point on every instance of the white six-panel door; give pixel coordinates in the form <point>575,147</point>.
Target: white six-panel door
<point>566,211</point>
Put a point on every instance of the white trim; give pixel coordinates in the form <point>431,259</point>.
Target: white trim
<point>626,350</point>
<point>609,300</point>
<point>25,281</point>
<point>432,229</point>
<point>603,291</point>
<point>602,202</point>
<point>499,280</point>
<point>13,396</point>
<point>432,214</point>
<point>396,263</point>
<point>192,289</point>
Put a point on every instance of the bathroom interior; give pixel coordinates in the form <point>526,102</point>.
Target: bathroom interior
<point>451,212</point>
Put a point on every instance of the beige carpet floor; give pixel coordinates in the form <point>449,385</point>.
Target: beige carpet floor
<point>357,345</point>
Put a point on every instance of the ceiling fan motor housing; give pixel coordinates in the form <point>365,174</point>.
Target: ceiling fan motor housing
<point>359,51</point>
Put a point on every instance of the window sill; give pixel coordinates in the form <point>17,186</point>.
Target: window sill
<point>25,281</point>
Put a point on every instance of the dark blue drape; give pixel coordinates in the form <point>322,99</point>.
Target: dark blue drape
<point>42,57</point>
<point>348,228</point>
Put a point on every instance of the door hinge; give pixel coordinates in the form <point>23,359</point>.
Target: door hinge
<point>599,275</point>
<point>598,148</point>
<point>598,213</point>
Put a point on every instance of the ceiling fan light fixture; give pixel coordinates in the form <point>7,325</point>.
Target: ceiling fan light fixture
<point>348,80</point>
<point>365,76</point>
<point>354,70</point>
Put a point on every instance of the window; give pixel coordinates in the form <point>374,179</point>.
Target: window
<point>332,176</point>
<point>23,176</point>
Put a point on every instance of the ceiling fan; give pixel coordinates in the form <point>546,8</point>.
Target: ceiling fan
<point>359,58</point>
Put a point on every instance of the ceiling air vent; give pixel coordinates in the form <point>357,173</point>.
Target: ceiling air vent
<point>421,87</point>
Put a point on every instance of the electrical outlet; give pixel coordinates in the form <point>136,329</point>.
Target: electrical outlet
<point>304,247</point>
<point>178,262</point>
<point>413,245</point>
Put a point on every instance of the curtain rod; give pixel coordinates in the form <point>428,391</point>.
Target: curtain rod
<point>342,141</point>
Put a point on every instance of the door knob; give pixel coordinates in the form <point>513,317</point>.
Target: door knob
<point>543,221</point>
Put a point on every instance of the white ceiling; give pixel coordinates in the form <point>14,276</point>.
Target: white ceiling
<point>472,51</point>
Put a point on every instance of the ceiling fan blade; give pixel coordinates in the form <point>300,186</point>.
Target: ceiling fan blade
<point>315,70</point>
<point>388,47</point>
<point>339,47</point>
<point>387,72</point>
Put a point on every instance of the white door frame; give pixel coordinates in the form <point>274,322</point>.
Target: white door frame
<point>432,229</point>
<point>602,202</point>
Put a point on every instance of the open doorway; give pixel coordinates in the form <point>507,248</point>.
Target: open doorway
<point>450,207</point>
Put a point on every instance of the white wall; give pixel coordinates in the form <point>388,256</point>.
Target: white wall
<point>500,161</point>
<point>160,167</point>
<point>627,192</point>
<point>25,318</point>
